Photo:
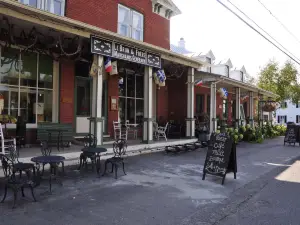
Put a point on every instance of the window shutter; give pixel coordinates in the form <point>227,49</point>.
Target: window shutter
<point>297,119</point>
<point>285,104</point>
<point>297,105</point>
<point>278,119</point>
<point>284,119</point>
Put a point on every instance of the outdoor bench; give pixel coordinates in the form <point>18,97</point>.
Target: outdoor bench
<point>55,133</point>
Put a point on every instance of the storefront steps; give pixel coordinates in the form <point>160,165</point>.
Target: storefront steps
<point>135,147</point>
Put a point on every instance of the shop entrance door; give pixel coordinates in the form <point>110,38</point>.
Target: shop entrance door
<point>82,104</point>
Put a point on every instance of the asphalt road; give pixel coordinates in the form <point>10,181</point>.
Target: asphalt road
<point>162,189</point>
<point>272,199</point>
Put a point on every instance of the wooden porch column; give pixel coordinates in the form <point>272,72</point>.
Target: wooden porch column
<point>251,106</point>
<point>261,111</point>
<point>148,106</point>
<point>96,122</point>
<point>237,107</point>
<point>190,120</point>
<point>213,105</point>
<point>270,114</point>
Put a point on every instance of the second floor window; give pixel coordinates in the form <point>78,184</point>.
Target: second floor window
<point>130,23</point>
<point>54,6</point>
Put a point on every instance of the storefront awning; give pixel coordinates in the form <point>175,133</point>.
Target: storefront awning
<point>65,24</point>
<point>229,83</point>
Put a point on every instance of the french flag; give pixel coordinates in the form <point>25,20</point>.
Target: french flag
<point>108,66</point>
<point>198,83</point>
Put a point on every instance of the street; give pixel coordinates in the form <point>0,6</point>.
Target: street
<point>165,189</point>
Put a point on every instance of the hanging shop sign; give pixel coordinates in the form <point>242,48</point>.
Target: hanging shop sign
<point>125,52</point>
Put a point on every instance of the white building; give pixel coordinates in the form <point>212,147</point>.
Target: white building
<point>289,112</point>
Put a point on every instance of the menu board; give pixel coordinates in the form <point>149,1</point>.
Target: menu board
<point>291,134</point>
<point>219,156</point>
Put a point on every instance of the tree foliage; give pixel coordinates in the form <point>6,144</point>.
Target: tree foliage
<point>281,81</point>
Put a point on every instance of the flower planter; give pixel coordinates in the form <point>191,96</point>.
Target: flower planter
<point>270,106</point>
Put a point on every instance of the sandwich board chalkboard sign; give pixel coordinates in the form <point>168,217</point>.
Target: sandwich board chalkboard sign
<point>291,134</point>
<point>220,157</point>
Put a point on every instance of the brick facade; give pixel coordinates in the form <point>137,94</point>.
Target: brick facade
<point>162,110</point>
<point>104,14</point>
<point>177,99</point>
<point>67,79</point>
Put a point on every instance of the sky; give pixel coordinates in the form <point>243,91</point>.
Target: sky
<point>206,24</point>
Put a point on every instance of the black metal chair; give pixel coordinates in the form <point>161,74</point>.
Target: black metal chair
<point>89,141</point>
<point>46,151</point>
<point>119,148</point>
<point>14,180</point>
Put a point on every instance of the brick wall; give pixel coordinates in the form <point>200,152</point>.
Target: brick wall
<point>162,109</point>
<point>104,14</point>
<point>67,78</point>
<point>177,95</point>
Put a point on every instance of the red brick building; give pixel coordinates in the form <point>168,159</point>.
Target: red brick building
<point>53,67</point>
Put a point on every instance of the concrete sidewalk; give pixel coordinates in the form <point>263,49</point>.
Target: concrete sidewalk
<point>158,189</point>
<point>135,148</point>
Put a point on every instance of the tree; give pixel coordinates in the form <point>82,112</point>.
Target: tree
<point>250,79</point>
<point>281,81</point>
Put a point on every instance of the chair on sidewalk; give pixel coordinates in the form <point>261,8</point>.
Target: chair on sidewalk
<point>89,141</point>
<point>119,148</point>
<point>155,129</point>
<point>6,142</point>
<point>14,180</point>
<point>162,132</point>
<point>132,129</point>
<point>120,133</point>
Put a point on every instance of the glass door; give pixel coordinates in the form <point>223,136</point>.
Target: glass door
<point>82,104</point>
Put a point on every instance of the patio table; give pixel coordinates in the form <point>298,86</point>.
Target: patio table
<point>94,154</point>
<point>54,161</point>
<point>132,127</point>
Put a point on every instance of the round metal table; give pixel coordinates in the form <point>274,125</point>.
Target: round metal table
<point>94,154</point>
<point>53,160</point>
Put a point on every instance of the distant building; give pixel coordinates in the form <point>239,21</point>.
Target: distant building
<point>289,112</point>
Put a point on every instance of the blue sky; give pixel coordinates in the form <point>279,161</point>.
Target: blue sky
<point>205,25</point>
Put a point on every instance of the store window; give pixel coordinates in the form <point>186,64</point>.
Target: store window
<point>54,6</point>
<point>130,23</point>
<point>26,86</point>
<point>131,102</point>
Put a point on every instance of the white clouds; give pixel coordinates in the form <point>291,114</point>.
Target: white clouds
<point>205,24</point>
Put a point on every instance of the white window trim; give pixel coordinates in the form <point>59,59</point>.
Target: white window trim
<point>126,99</point>
<point>281,119</point>
<point>130,25</point>
<point>43,5</point>
<point>55,99</point>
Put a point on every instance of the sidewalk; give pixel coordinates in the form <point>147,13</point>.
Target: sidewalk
<point>135,147</point>
<point>158,189</point>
